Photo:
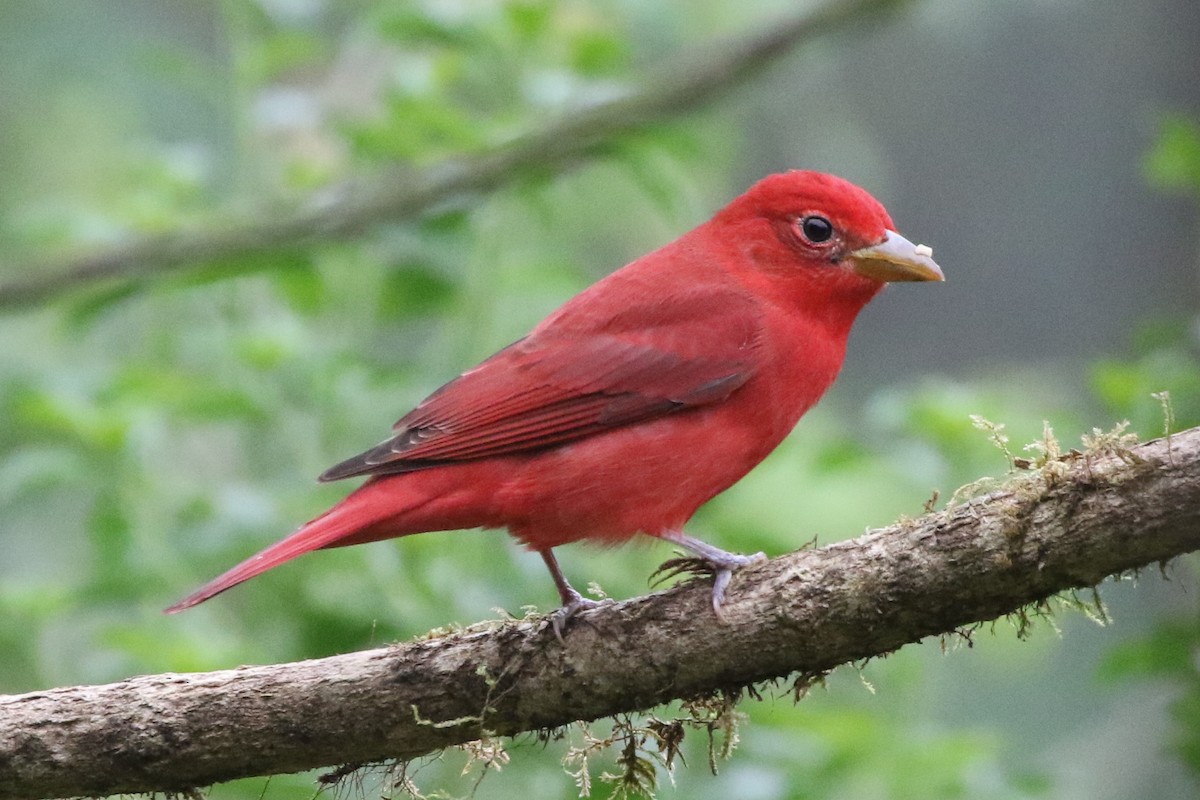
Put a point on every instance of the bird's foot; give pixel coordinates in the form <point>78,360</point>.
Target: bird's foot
<point>724,573</point>
<point>573,605</point>
<point>572,601</point>
<point>708,560</point>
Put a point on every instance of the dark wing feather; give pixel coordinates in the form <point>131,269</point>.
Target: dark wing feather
<point>576,376</point>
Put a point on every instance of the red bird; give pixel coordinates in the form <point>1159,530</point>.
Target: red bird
<point>638,400</point>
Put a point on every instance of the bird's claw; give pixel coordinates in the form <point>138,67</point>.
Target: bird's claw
<point>723,570</point>
<point>682,565</point>
<point>563,616</point>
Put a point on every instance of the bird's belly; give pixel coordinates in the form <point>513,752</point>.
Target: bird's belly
<point>646,478</point>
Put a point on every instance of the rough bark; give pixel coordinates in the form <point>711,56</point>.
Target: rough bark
<point>685,83</point>
<point>1067,526</point>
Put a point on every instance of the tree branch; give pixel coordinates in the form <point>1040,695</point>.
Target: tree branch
<point>685,83</point>
<point>1064,527</point>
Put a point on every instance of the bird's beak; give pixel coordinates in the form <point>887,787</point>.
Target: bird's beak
<point>896,259</point>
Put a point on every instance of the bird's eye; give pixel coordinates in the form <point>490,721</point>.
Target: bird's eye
<point>816,229</point>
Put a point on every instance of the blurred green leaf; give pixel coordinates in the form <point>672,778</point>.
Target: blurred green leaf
<point>414,289</point>
<point>110,532</point>
<point>83,309</point>
<point>44,415</point>
<point>598,53</point>
<point>302,286</point>
<point>1167,360</point>
<point>1171,652</point>
<point>411,26</point>
<point>272,56</point>
<point>416,128</point>
<point>529,18</point>
<point>1168,652</point>
<point>1174,160</point>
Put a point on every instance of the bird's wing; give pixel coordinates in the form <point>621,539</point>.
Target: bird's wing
<point>587,369</point>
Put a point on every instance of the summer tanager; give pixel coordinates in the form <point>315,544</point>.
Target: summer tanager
<point>638,400</point>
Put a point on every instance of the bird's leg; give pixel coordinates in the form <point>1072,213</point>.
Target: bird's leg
<point>572,601</point>
<point>723,564</point>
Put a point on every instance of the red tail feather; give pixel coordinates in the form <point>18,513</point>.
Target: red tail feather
<point>340,522</point>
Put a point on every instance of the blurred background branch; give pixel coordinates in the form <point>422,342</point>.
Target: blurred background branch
<point>689,81</point>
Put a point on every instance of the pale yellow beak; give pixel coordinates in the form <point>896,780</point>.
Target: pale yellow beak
<point>897,259</point>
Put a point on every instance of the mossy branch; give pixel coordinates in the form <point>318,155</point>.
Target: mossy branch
<point>1065,526</point>
<point>685,83</point>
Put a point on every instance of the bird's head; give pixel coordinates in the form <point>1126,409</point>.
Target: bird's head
<point>822,235</point>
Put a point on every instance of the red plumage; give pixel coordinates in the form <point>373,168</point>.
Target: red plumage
<point>639,399</point>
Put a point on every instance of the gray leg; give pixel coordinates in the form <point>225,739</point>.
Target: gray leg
<point>572,601</point>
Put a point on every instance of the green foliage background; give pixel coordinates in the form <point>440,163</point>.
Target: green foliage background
<point>156,433</point>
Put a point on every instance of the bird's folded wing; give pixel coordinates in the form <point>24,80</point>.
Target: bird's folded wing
<point>573,379</point>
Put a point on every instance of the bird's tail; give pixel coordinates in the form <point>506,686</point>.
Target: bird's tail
<point>361,517</point>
